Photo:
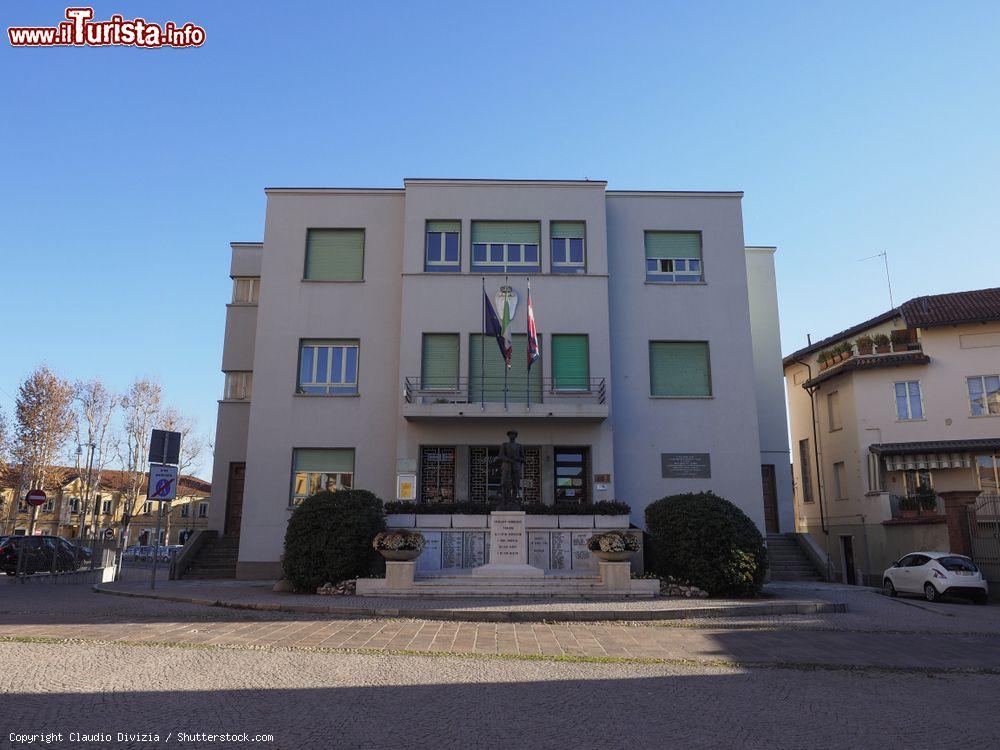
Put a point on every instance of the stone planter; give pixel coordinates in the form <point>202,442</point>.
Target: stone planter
<point>611,522</point>
<point>400,555</point>
<point>433,520</point>
<point>541,522</point>
<point>468,521</point>
<point>576,522</point>
<point>623,556</point>
<point>400,520</point>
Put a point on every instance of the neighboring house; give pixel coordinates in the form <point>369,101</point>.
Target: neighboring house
<point>911,400</point>
<point>354,354</point>
<point>64,509</point>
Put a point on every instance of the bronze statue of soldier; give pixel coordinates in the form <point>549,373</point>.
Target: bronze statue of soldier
<point>512,461</point>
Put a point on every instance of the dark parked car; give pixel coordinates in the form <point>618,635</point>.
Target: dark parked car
<point>41,554</point>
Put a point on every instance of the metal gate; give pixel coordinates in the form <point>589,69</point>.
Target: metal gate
<point>984,529</point>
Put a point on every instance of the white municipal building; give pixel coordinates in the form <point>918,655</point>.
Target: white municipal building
<point>354,354</point>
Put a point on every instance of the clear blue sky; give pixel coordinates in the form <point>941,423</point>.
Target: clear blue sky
<point>852,128</point>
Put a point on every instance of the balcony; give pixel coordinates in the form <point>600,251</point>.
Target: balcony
<point>487,398</point>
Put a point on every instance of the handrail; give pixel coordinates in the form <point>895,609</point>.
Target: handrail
<point>491,389</point>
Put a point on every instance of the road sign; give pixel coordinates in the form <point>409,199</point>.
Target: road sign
<point>164,447</point>
<point>109,533</point>
<point>162,483</point>
<point>35,497</point>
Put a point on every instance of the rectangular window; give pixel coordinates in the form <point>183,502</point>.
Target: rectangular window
<point>488,373</point>
<point>439,362</point>
<point>335,254</point>
<point>984,395</point>
<point>568,247</point>
<point>437,473</point>
<point>441,246</point>
<point>679,369</point>
<point>571,475</point>
<point>988,471</point>
<point>185,510</point>
<point>805,471</point>
<point>908,402</point>
<point>238,385</point>
<point>246,290</point>
<point>916,479</point>
<point>202,510</point>
<point>833,410</point>
<point>874,473</point>
<point>328,367</point>
<point>570,362</point>
<point>147,508</point>
<point>318,469</point>
<point>839,481</point>
<point>673,257</point>
<point>106,508</point>
<point>505,246</point>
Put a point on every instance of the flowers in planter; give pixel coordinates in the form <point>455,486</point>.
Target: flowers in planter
<point>398,541</point>
<point>613,541</point>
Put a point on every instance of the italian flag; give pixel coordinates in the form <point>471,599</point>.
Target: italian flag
<point>508,342</point>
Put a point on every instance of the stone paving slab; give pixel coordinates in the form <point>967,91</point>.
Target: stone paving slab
<point>254,595</point>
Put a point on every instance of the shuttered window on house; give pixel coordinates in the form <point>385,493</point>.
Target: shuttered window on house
<point>673,257</point>
<point>439,361</point>
<point>570,362</point>
<point>318,469</point>
<point>679,369</point>
<point>568,252</point>
<point>335,254</point>
<point>502,246</point>
<point>441,252</point>
<point>486,371</point>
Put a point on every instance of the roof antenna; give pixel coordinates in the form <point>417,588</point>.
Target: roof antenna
<point>809,339</point>
<point>885,258</point>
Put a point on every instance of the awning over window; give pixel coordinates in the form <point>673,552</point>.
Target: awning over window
<point>928,461</point>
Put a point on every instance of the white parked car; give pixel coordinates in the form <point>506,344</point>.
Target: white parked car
<point>935,574</point>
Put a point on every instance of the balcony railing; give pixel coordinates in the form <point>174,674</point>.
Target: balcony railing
<point>585,398</point>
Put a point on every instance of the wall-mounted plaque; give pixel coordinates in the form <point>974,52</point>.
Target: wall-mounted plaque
<point>474,552</point>
<point>430,558</point>
<point>583,559</point>
<point>602,478</point>
<point>686,465</point>
<point>560,550</point>
<point>406,486</point>
<point>451,549</point>
<point>538,549</point>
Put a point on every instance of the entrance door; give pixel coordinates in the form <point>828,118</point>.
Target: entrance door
<point>847,547</point>
<point>234,498</point>
<point>770,498</point>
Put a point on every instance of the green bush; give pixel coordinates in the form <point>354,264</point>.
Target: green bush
<point>329,538</point>
<point>705,540</point>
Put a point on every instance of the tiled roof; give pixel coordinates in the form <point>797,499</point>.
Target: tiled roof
<point>936,446</point>
<point>111,479</point>
<point>845,334</point>
<point>958,307</point>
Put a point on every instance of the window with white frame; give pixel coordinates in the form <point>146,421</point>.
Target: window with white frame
<point>147,508</point>
<point>74,505</point>
<point>909,403</point>
<point>105,507</point>
<point>246,290</point>
<point>185,510</point>
<point>239,384</point>
<point>505,246</point>
<point>318,469</point>
<point>673,257</point>
<point>328,368</point>
<point>984,395</point>
<point>441,250</point>
<point>202,510</point>
<point>568,251</point>
<point>988,472</point>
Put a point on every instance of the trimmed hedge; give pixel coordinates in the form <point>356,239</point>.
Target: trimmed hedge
<point>706,541</point>
<point>329,538</point>
<point>602,508</point>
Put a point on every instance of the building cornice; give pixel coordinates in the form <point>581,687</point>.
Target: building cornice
<point>332,191</point>
<point>235,245</point>
<point>675,193</point>
<point>450,182</point>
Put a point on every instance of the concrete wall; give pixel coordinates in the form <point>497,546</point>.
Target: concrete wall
<point>717,311</point>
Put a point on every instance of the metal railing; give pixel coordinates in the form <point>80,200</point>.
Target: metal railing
<point>984,530</point>
<point>494,390</point>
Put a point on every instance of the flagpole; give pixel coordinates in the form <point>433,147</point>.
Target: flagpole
<point>527,348</point>
<point>482,355</point>
<point>507,366</point>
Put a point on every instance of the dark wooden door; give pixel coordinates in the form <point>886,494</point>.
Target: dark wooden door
<point>847,545</point>
<point>234,498</point>
<point>770,498</point>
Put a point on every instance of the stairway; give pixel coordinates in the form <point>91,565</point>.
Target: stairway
<point>217,559</point>
<point>788,560</point>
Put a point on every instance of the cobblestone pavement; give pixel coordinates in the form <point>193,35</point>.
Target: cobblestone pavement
<point>319,700</point>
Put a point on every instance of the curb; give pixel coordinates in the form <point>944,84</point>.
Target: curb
<point>611,615</point>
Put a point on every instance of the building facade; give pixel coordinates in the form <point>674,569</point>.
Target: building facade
<point>354,352</point>
<point>886,412</point>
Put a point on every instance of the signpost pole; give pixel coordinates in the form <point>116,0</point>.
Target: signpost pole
<point>156,545</point>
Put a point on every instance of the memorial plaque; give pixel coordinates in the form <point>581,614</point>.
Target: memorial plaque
<point>451,549</point>
<point>583,558</point>
<point>560,550</point>
<point>430,558</point>
<point>686,465</point>
<point>538,549</point>
<point>486,547</point>
<point>474,552</point>
<point>508,543</point>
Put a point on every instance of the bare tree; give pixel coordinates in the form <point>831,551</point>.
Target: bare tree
<point>44,422</point>
<point>141,408</point>
<point>95,408</point>
<point>4,442</point>
<point>192,446</point>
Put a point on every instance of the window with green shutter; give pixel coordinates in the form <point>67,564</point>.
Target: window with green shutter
<point>505,246</point>
<point>568,251</point>
<point>335,254</point>
<point>439,362</point>
<point>318,469</point>
<point>486,371</point>
<point>570,362</point>
<point>679,369</point>
<point>441,248</point>
<point>673,257</point>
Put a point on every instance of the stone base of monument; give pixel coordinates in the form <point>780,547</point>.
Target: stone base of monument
<point>508,574</point>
